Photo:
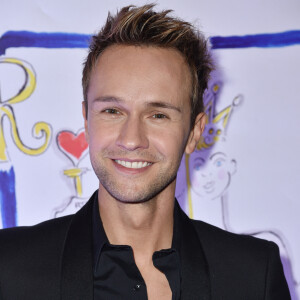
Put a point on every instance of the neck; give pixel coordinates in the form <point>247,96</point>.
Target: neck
<point>147,227</point>
<point>211,211</point>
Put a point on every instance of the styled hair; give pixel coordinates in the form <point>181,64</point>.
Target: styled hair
<point>141,26</point>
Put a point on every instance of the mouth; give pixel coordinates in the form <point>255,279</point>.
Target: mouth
<point>132,164</point>
<point>209,185</point>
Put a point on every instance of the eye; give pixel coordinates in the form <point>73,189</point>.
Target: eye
<point>159,116</point>
<point>219,163</point>
<point>111,111</point>
<point>197,167</point>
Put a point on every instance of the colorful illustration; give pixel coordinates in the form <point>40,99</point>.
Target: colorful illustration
<point>41,130</point>
<point>209,174</point>
<point>75,148</point>
<point>75,40</point>
<point>205,178</point>
<point>215,130</point>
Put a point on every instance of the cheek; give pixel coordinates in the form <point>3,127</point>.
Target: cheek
<point>222,174</point>
<point>168,143</point>
<point>197,181</point>
<point>196,177</point>
<point>100,136</point>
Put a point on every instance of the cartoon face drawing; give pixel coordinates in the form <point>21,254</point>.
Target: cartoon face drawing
<point>211,174</point>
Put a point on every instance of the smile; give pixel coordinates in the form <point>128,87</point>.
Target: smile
<point>209,185</point>
<point>133,165</point>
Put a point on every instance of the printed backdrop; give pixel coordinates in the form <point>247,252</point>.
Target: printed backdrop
<point>244,175</point>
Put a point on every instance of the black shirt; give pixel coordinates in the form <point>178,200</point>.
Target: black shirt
<point>116,275</point>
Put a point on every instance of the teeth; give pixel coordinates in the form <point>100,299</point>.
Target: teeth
<point>133,165</point>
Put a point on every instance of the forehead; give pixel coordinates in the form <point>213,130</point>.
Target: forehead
<point>140,70</point>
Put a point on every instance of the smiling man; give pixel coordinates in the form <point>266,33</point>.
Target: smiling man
<point>143,84</point>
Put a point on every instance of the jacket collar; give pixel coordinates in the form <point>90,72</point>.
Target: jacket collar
<point>195,283</point>
<point>77,259</point>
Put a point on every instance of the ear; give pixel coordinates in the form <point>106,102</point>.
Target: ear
<point>84,114</point>
<point>196,133</point>
<point>232,166</point>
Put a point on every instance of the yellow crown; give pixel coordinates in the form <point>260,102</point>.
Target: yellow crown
<point>216,122</point>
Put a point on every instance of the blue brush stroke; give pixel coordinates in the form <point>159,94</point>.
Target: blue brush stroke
<point>267,40</point>
<point>14,39</point>
<point>8,198</point>
<point>74,40</point>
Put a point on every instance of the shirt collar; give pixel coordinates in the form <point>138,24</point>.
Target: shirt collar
<point>99,235</point>
<point>100,238</point>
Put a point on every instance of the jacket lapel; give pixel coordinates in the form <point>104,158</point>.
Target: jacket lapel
<point>195,283</point>
<point>77,263</point>
<point>77,259</point>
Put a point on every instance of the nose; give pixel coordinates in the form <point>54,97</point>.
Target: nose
<point>206,174</point>
<point>132,135</point>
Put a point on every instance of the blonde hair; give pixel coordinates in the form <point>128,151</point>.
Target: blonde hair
<point>142,26</point>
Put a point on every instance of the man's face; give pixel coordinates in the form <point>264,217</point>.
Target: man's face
<point>138,120</point>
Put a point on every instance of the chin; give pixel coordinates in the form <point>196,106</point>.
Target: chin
<point>130,198</point>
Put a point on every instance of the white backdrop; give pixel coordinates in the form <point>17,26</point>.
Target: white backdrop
<point>246,181</point>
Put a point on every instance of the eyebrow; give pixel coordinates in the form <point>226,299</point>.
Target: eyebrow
<point>199,158</point>
<point>217,153</point>
<point>108,99</point>
<point>158,104</point>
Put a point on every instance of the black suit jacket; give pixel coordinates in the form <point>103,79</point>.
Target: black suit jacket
<point>53,260</point>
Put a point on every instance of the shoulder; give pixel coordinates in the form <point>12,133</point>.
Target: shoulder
<point>45,236</point>
<point>242,261</point>
<point>240,249</point>
<point>39,230</point>
<point>32,255</point>
<point>219,239</point>
<point>237,250</point>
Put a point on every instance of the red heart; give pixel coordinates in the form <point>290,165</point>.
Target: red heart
<point>72,144</point>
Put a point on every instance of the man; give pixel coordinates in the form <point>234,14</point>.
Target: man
<point>143,83</point>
